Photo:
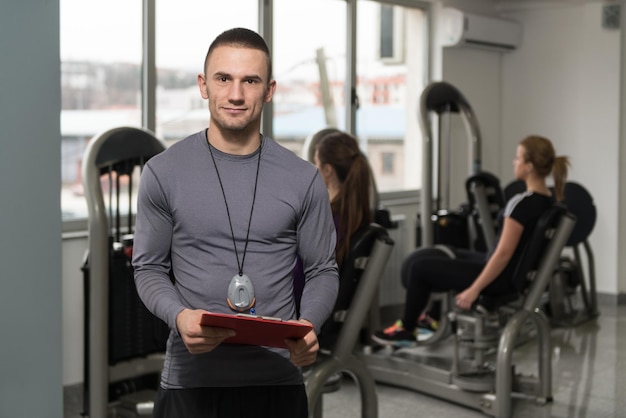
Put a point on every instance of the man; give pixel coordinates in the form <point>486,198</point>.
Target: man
<point>226,210</point>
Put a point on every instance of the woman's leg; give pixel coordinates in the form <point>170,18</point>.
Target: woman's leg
<point>427,274</point>
<point>425,271</point>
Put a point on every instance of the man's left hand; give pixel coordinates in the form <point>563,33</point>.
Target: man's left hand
<point>304,350</point>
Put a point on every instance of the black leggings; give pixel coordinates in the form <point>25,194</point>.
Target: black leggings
<point>431,270</point>
<point>235,402</point>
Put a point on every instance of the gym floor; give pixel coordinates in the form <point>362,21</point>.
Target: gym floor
<point>589,377</point>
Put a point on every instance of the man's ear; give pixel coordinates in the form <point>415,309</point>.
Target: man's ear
<point>202,86</point>
<point>269,92</point>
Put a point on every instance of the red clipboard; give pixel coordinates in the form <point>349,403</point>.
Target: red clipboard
<point>256,330</point>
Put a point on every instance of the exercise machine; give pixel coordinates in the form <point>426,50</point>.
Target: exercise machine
<point>443,99</point>
<point>486,201</point>
<point>473,366</point>
<point>572,296</point>
<point>123,341</point>
<point>361,272</point>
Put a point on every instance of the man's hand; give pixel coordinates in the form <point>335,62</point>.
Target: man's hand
<point>304,350</point>
<point>197,338</point>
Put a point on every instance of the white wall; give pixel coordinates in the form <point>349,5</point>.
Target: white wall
<point>476,73</point>
<point>30,209</point>
<point>564,83</point>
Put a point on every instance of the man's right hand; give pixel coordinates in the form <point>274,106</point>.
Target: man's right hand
<point>198,338</point>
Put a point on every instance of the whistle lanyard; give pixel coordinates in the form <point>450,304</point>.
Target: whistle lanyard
<point>241,292</point>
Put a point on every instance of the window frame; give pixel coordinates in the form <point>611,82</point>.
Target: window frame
<point>72,227</point>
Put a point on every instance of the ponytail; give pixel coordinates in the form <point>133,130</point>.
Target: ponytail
<point>559,174</point>
<point>352,205</point>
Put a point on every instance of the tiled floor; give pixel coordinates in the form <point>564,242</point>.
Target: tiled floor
<point>589,380</point>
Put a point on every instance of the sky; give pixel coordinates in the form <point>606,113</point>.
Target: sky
<point>110,30</point>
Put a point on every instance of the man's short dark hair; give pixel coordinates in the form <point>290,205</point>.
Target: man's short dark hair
<point>243,38</point>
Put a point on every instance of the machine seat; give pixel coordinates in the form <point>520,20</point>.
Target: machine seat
<point>489,304</point>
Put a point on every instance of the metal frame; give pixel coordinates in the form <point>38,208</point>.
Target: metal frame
<point>486,198</point>
<point>441,97</point>
<point>343,358</point>
<point>103,150</point>
<point>563,312</point>
<point>436,371</point>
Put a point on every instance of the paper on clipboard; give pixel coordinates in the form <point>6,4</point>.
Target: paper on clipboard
<point>256,330</point>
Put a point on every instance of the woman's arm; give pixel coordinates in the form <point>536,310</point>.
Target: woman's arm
<point>511,234</point>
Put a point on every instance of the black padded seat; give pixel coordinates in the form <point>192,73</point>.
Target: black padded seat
<point>513,188</point>
<point>529,261</point>
<point>491,184</point>
<point>578,201</point>
<point>561,308</point>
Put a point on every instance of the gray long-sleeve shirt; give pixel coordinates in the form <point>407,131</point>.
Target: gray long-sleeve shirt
<point>182,224</point>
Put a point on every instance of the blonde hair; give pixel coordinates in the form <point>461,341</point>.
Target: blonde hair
<point>540,153</point>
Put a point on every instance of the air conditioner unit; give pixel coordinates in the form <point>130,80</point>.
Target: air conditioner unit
<point>457,28</point>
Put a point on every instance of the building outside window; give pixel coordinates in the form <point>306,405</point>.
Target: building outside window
<point>387,166</point>
<point>102,61</point>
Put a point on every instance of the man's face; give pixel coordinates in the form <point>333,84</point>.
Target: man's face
<point>236,84</point>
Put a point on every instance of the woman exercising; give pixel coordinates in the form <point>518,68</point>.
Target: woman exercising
<point>472,273</point>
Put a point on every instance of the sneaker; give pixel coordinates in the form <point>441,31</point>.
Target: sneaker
<point>428,323</point>
<point>395,335</point>
<point>423,334</point>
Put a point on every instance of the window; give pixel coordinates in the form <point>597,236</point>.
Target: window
<point>318,84</point>
<point>100,83</point>
<point>309,70</point>
<point>184,31</point>
<point>312,79</point>
<point>391,74</point>
<point>101,61</point>
<point>388,166</point>
<point>391,36</point>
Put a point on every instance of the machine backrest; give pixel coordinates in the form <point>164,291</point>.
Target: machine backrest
<point>486,200</point>
<point>579,202</point>
<point>536,247</point>
<point>513,188</point>
<point>538,262</point>
<point>353,268</point>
